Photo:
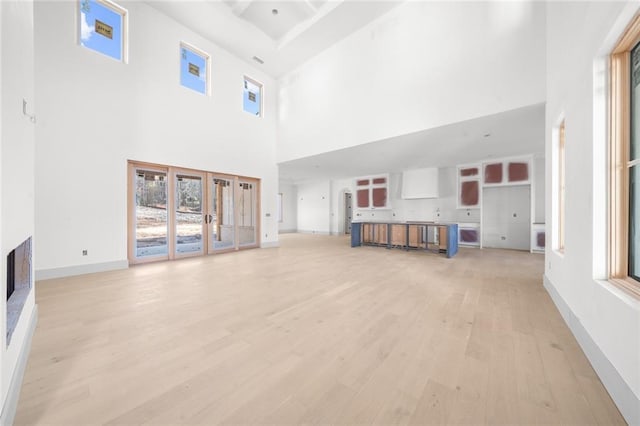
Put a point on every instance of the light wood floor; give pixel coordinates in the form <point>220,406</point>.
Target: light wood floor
<point>311,332</point>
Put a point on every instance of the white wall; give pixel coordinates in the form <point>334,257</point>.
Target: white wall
<point>96,113</point>
<point>314,206</point>
<point>16,177</point>
<point>289,208</point>
<point>422,65</point>
<point>605,320</point>
<point>442,209</point>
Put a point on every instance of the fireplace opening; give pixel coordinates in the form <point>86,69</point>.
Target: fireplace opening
<point>18,283</point>
<point>11,273</point>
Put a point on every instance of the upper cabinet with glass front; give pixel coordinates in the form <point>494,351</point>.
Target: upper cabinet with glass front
<point>469,186</point>
<point>372,192</point>
<point>507,172</point>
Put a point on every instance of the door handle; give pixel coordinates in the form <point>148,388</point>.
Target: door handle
<point>210,219</point>
<point>205,218</point>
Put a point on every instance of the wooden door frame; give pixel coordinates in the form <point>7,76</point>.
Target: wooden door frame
<point>257,183</point>
<point>234,184</point>
<point>132,167</point>
<point>173,254</point>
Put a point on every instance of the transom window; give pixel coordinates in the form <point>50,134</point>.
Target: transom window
<point>102,28</point>
<point>194,68</point>
<point>252,97</point>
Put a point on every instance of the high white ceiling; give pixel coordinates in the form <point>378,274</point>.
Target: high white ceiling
<point>511,133</point>
<point>300,30</point>
<point>303,28</point>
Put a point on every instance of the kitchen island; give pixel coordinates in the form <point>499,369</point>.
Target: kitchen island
<point>426,236</point>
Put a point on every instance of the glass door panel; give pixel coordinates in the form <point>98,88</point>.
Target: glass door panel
<point>150,216</point>
<point>189,220</point>
<point>221,212</point>
<point>247,212</point>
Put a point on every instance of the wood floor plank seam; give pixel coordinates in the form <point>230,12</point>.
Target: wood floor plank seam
<point>312,332</point>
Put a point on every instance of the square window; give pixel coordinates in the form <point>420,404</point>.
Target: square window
<point>194,69</point>
<point>252,97</point>
<point>102,28</point>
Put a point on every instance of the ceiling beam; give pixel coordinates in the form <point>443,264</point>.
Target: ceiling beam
<point>311,7</point>
<point>241,6</point>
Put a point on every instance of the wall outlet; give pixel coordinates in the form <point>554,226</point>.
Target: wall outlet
<point>85,252</point>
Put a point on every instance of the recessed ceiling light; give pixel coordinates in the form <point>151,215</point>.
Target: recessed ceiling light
<point>274,11</point>
<point>486,135</point>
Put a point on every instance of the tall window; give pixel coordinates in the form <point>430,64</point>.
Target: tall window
<point>102,27</point>
<point>252,97</point>
<point>624,232</point>
<point>194,68</point>
<point>561,184</point>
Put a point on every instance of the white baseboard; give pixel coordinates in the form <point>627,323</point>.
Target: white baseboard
<point>47,274</point>
<point>270,244</point>
<point>303,231</point>
<point>287,231</point>
<point>11,403</point>
<point>628,403</point>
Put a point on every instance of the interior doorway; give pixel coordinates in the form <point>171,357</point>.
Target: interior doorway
<point>348,212</point>
<point>506,213</point>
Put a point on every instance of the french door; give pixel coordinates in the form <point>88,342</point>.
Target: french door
<point>189,213</point>
<point>176,213</point>
<point>221,217</point>
<point>148,213</point>
<point>248,212</point>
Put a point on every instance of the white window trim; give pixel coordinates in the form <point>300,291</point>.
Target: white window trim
<point>257,83</point>
<point>206,56</point>
<point>125,28</point>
